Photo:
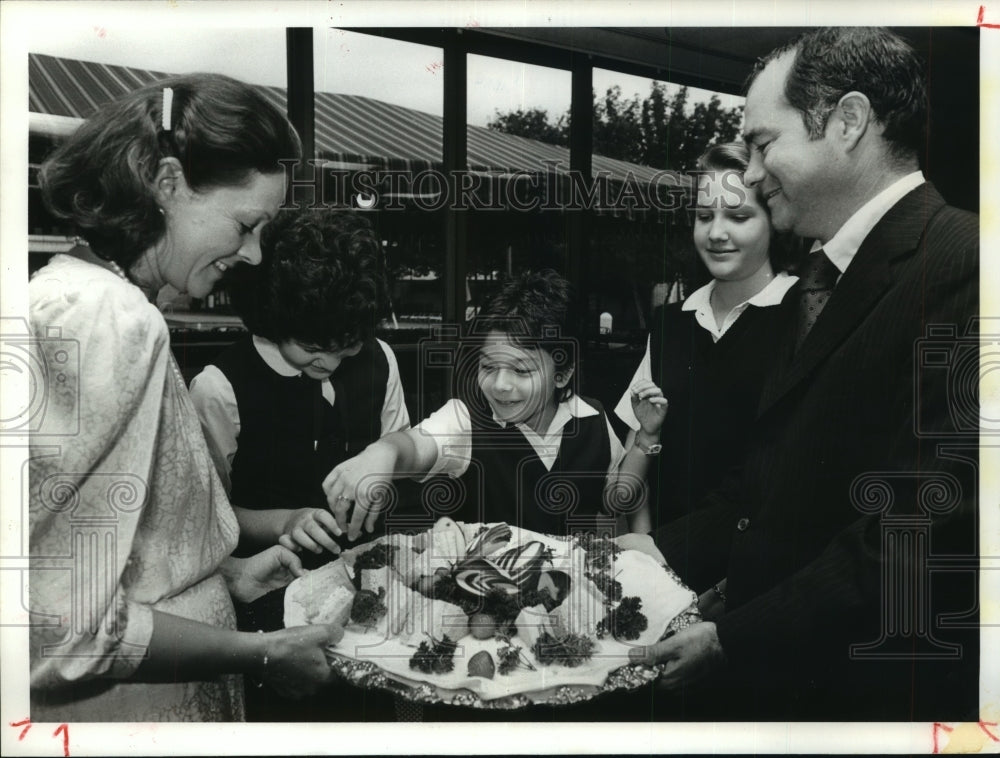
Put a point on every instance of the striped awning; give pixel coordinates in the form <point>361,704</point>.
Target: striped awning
<point>352,130</point>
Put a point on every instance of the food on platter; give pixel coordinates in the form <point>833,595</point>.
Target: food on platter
<point>372,579</point>
<point>335,608</point>
<point>368,608</point>
<point>490,609</point>
<point>626,622</point>
<point>434,656</point>
<point>564,649</point>
<point>481,664</point>
<point>333,593</point>
<point>436,619</point>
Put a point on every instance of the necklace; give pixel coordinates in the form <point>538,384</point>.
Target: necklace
<point>170,355</point>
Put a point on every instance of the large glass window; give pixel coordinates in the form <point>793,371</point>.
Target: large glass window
<point>379,133</point>
<point>379,141</point>
<point>74,71</point>
<point>518,147</point>
<point>643,253</point>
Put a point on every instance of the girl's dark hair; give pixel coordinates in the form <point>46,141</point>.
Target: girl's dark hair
<point>101,179</point>
<point>735,156</point>
<point>534,310</point>
<point>320,281</point>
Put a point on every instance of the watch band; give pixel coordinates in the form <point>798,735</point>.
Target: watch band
<point>653,449</point>
<point>719,592</point>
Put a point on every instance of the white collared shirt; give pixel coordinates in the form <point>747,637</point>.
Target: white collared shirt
<point>215,401</point>
<point>451,429</point>
<point>844,245</point>
<point>699,301</point>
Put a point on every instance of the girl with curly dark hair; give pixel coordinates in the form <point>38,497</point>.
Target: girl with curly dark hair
<point>310,386</point>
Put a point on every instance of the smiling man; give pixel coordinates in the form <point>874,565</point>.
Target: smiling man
<point>821,149</point>
<point>827,535</point>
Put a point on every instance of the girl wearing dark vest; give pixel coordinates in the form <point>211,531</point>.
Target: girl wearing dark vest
<point>309,387</point>
<point>711,353</point>
<point>524,447</point>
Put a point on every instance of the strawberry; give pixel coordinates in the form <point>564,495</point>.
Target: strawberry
<point>482,625</point>
<point>481,664</point>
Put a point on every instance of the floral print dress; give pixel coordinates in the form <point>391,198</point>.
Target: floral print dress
<point>126,512</point>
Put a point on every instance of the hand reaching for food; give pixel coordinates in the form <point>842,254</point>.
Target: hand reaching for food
<point>356,489</point>
<point>311,529</point>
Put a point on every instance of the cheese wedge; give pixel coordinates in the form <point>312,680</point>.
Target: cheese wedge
<point>335,608</point>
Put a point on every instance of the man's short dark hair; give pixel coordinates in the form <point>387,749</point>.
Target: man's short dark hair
<point>832,61</point>
<point>320,280</point>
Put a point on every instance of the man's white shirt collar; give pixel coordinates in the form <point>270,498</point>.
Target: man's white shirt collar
<point>700,301</point>
<point>844,245</point>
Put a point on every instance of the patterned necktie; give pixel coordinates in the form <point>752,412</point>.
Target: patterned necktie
<point>819,276</point>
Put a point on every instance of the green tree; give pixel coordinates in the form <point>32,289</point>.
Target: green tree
<point>617,129</point>
<point>533,124</point>
<point>708,123</point>
<point>659,130</point>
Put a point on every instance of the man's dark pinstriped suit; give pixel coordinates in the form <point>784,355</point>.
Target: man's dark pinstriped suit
<point>855,456</point>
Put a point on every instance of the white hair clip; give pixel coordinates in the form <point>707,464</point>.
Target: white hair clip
<point>168,104</point>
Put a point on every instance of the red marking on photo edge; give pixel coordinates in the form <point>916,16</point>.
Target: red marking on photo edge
<point>938,725</point>
<point>26,724</point>
<point>65,735</point>
<point>984,724</point>
<point>983,24</point>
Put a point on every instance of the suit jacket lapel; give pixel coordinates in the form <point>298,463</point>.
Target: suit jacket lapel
<point>870,274</point>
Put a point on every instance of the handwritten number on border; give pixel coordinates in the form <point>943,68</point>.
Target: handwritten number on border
<point>981,16</point>
<point>65,735</point>
<point>62,729</point>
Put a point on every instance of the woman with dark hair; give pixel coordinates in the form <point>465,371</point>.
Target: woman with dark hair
<point>130,528</point>
<point>709,355</point>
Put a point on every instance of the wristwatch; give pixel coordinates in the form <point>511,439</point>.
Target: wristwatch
<point>653,449</point>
